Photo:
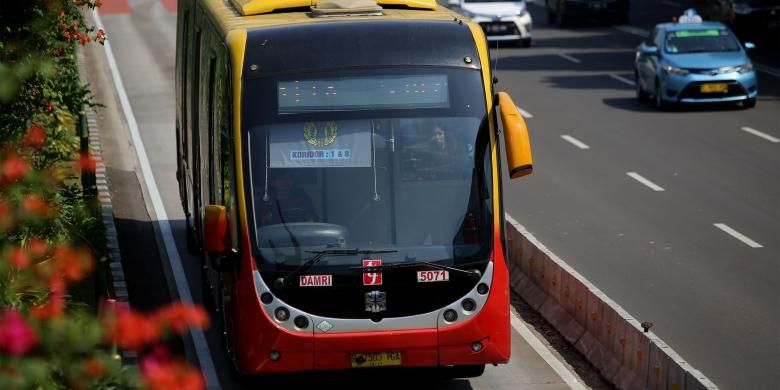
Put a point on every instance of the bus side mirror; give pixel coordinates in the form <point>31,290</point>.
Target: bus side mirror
<point>516,140</point>
<point>215,226</point>
<point>750,45</point>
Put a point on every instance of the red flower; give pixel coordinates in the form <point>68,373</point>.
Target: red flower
<point>19,258</point>
<point>94,368</point>
<point>14,168</point>
<point>6,219</point>
<point>179,316</point>
<point>37,247</point>
<point>36,136</point>
<point>87,163</point>
<point>161,373</point>
<point>16,335</point>
<point>36,205</point>
<point>71,264</point>
<point>132,330</point>
<point>55,306</point>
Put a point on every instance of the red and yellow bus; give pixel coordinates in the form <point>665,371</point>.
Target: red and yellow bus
<point>339,167</point>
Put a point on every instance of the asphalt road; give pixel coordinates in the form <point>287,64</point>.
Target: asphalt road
<point>648,239</point>
<point>711,296</point>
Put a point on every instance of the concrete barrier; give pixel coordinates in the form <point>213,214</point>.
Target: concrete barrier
<point>609,337</point>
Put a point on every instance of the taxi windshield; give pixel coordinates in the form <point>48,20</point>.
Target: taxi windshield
<point>700,40</point>
<point>386,159</point>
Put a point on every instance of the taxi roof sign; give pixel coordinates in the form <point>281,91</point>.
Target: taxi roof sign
<point>257,7</point>
<point>689,16</point>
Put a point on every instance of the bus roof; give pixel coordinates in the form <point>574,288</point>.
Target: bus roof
<point>227,17</point>
<point>256,7</point>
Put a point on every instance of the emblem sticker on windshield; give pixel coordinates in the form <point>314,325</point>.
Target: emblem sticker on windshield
<point>433,276</point>
<point>316,280</point>
<point>372,278</point>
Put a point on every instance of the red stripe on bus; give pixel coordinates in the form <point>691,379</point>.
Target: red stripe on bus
<point>111,7</point>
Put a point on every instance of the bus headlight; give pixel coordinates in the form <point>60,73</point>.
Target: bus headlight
<point>450,315</point>
<point>282,314</point>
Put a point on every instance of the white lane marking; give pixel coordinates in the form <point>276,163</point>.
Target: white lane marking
<point>767,69</point>
<point>525,113</point>
<point>183,289</point>
<point>641,179</point>
<point>544,352</point>
<point>622,79</point>
<point>738,235</point>
<point>575,142</point>
<point>632,30</point>
<point>761,134</point>
<point>569,58</point>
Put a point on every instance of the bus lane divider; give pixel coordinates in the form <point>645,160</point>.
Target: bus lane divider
<point>617,344</point>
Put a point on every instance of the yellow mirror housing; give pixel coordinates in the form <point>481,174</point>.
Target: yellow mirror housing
<point>516,139</point>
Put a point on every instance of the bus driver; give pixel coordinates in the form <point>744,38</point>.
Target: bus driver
<point>287,203</point>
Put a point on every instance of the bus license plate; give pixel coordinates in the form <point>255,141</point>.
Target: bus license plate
<point>713,88</point>
<point>375,359</point>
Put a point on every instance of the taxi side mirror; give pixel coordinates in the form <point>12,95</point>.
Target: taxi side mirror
<point>215,229</point>
<point>750,45</point>
<point>650,50</point>
<point>516,139</point>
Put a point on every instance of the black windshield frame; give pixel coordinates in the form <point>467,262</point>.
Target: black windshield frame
<point>463,93</point>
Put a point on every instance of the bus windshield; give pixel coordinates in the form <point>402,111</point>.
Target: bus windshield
<point>380,159</point>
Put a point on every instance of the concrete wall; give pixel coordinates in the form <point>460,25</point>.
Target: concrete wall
<point>610,338</point>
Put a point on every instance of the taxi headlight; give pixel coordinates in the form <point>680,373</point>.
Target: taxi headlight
<point>741,69</point>
<point>745,68</point>
<point>675,71</point>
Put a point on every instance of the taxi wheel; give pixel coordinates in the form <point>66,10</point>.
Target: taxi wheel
<point>660,103</point>
<point>641,95</point>
<point>749,103</point>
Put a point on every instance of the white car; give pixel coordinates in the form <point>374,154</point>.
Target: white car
<point>501,20</point>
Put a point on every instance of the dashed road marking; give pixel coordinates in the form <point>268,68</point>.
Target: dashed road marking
<point>648,183</point>
<point>575,142</point>
<point>738,235</point>
<point>160,215</point>
<point>761,134</point>
<point>672,4</point>
<point>623,80</point>
<point>525,113</point>
<point>632,30</point>
<point>569,58</point>
<point>767,69</point>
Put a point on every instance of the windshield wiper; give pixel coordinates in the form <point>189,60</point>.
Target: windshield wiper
<point>281,282</point>
<point>475,274</point>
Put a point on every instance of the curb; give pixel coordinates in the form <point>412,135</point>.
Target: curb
<point>129,358</point>
<point>608,336</point>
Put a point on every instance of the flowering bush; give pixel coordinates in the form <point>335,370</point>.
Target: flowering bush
<point>51,334</point>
